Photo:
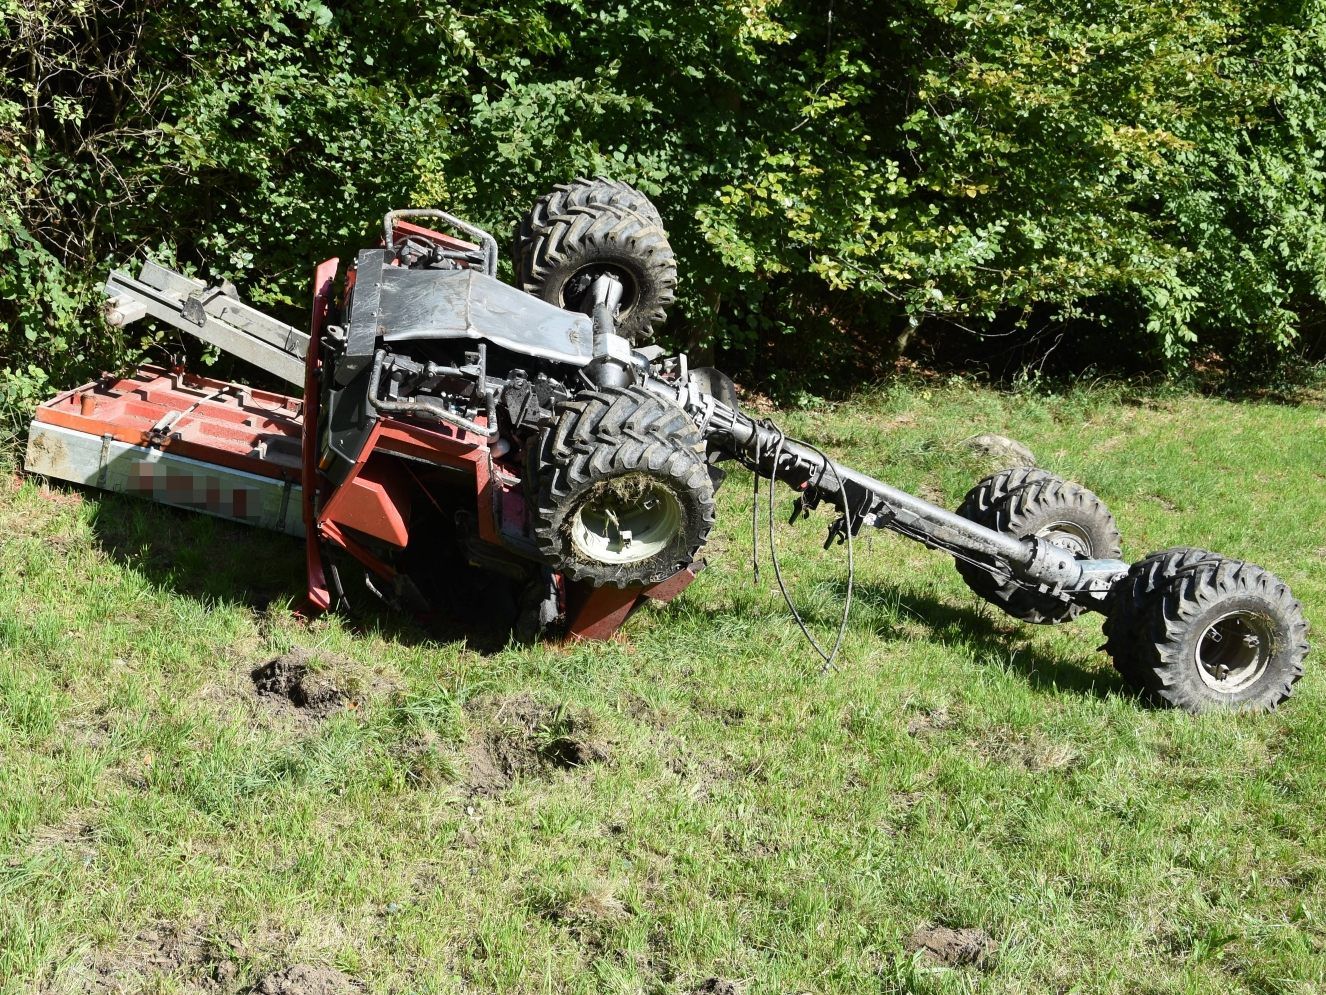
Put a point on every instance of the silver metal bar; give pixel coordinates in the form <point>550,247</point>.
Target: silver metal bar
<point>488,242</point>
<point>222,321</point>
<point>763,447</point>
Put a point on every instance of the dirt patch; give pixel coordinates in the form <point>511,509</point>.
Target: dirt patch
<point>303,979</point>
<point>165,949</point>
<point>927,722</point>
<point>721,986</point>
<point>950,947</point>
<point>1031,749</point>
<point>303,683</point>
<point>522,738</point>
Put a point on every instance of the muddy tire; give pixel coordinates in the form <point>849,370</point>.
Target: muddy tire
<point>558,259</point>
<point>1025,502</point>
<point>624,494</point>
<point>1123,620</point>
<point>1201,632</point>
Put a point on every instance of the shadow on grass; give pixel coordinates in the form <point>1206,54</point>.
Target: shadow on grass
<point>1005,642</point>
<point>224,563</point>
<point>893,613</point>
<point>207,558</point>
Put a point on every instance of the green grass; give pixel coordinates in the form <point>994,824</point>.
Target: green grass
<point>754,820</point>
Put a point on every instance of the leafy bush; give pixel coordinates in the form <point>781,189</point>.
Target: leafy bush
<point>1148,172</point>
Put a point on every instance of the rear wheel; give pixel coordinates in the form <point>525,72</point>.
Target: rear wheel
<point>559,257</point>
<point>625,496</point>
<point>1201,632</point>
<point>579,193</point>
<point>1025,502</point>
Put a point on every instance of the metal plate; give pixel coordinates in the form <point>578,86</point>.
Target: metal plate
<point>102,461</point>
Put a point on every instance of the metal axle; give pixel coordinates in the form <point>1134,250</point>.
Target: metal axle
<point>863,500</point>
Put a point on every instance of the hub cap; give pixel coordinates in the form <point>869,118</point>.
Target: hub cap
<point>625,520</point>
<point>1233,651</point>
<point>1067,536</point>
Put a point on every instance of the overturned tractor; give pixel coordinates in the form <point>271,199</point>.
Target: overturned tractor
<point>532,432</point>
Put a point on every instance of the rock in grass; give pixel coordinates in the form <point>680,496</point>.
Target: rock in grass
<point>1001,449</point>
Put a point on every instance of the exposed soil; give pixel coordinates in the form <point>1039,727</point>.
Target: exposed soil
<point>184,952</point>
<point>522,738</point>
<point>303,979</point>
<point>1032,750</point>
<point>721,986</point>
<point>291,680</point>
<point>927,722</point>
<point>951,947</point>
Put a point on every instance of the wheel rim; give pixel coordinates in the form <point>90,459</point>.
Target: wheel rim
<point>578,283</point>
<point>625,520</point>
<point>1067,536</point>
<point>1233,651</point>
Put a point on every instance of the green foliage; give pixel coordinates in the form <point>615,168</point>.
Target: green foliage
<point>1152,171</point>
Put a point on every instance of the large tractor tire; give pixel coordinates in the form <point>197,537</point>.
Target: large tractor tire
<point>624,496</point>
<point>1198,631</point>
<point>1024,502</point>
<point>580,193</point>
<point>558,257</point>
<point>1124,626</point>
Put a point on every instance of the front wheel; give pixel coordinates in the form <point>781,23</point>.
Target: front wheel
<point>625,496</point>
<point>560,256</point>
<point>1203,632</point>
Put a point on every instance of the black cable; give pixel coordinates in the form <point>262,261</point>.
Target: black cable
<point>830,656</point>
<point>851,553</point>
<point>755,514</point>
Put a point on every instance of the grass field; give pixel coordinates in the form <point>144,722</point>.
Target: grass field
<point>695,807</point>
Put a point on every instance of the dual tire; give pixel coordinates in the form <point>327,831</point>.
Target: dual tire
<point>1203,632</point>
<point>1187,628</point>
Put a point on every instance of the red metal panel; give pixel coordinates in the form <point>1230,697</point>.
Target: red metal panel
<point>375,502</point>
<point>598,612</point>
<point>319,595</point>
<point>213,421</point>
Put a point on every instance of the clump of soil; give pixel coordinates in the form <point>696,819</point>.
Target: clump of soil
<point>302,979</point>
<point>524,738</point>
<point>950,947</point>
<point>291,678</point>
